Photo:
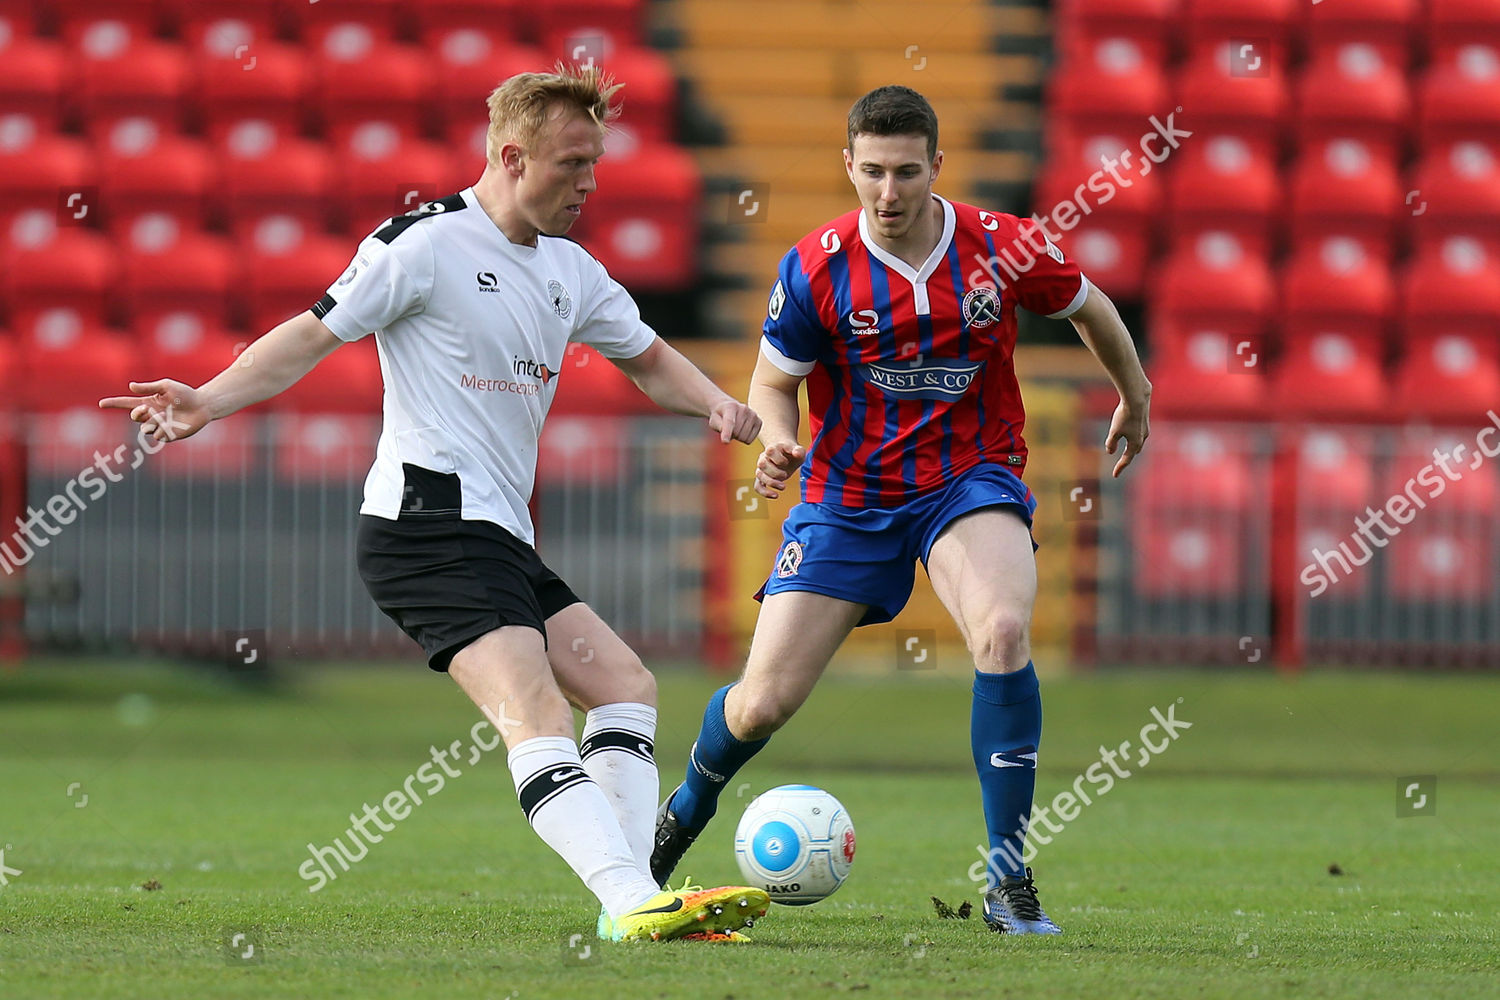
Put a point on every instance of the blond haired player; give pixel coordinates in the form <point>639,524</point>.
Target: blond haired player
<point>473,300</point>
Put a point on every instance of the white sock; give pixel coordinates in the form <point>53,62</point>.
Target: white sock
<point>617,753</point>
<point>572,816</point>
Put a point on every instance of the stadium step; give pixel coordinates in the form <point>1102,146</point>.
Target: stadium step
<point>818,168</point>
<point>959,26</point>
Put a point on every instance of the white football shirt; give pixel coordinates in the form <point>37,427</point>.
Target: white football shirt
<point>472,330</point>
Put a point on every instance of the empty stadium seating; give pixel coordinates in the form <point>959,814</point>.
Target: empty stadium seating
<point>1348,147</point>
<point>184,174</point>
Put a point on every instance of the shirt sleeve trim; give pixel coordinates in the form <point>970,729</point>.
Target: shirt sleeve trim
<point>781,361</point>
<point>1077,303</point>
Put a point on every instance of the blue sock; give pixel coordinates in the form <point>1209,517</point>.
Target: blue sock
<point>1005,730</point>
<point>714,759</point>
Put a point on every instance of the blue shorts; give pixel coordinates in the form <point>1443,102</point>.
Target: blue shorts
<point>868,554</point>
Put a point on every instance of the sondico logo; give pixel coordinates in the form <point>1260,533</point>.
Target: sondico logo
<point>523,368</point>
<point>864,322</point>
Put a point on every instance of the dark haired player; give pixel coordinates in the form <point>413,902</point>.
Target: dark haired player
<point>901,316</point>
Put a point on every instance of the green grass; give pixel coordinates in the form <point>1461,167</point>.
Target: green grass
<point>1207,874</point>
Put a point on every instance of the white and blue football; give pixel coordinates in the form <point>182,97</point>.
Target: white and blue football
<point>796,842</point>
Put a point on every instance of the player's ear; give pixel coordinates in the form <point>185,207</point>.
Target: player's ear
<point>510,158</point>
<point>937,166</point>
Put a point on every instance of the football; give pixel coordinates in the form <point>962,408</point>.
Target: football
<point>796,842</point>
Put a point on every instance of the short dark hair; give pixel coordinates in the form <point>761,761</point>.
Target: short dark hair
<point>894,110</point>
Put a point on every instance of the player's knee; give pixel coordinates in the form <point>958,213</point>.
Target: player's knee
<point>1002,644</point>
<point>760,714</point>
<point>637,683</point>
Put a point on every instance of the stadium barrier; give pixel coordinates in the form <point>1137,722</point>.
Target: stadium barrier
<point>247,530</point>
<point>1358,545</point>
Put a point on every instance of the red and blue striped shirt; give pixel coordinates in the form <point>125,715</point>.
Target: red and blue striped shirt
<point>910,380</point>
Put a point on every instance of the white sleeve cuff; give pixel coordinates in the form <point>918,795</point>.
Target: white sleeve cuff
<point>1078,300</point>
<point>786,364</point>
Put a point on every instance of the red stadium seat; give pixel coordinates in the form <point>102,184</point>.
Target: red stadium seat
<point>1465,488</point>
<point>1205,372</point>
<point>1383,24</point>
<point>144,172</point>
<point>1354,92</point>
<point>41,173</point>
<point>270,92</point>
<point>1336,283</point>
<point>167,268</point>
<point>1083,24</point>
<point>262,175</point>
<point>1452,287</point>
<point>388,175</point>
<point>1445,562</point>
<point>1197,469</point>
<point>51,266</point>
<point>344,19</point>
<point>361,82</point>
<point>573,30</point>
<point>1266,23</point>
<point>97,25</point>
<point>34,74</point>
<point>347,381</point>
<point>184,346</point>
<point>1452,376</point>
<point>1460,100</point>
<point>1225,183</point>
<point>1334,473</point>
<point>1218,283</point>
<point>288,268</point>
<point>467,70</point>
<point>590,383</point>
<point>72,436</point>
<point>649,99</point>
<point>1198,558</point>
<point>1102,174</point>
<point>1113,253</point>
<point>581,450</point>
<point>1219,97</point>
<point>1454,23</point>
<point>642,223</point>
<point>1115,87</point>
<point>1343,187</point>
<point>1331,375</point>
<point>324,447</point>
<point>221,27</point>
<point>74,367</point>
<point>120,77</point>
<point>1386,25</point>
<point>1458,194</point>
<point>438,21</point>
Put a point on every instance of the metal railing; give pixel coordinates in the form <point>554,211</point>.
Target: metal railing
<point>248,529</point>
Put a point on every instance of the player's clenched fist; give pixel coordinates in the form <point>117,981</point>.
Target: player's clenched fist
<point>734,421</point>
<point>776,465</point>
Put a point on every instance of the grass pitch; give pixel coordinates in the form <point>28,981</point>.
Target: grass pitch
<point>149,816</point>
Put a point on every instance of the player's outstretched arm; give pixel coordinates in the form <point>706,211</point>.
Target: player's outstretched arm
<point>773,394</point>
<point>675,384</point>
<point>172,409</point>
<point>1101,328</point>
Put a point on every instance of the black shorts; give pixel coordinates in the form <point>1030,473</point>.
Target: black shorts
<point>447,582</point>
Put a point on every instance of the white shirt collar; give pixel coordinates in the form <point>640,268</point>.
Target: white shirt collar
<point>901,267</point>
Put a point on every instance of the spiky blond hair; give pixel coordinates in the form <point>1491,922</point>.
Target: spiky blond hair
<point>519,107</point>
